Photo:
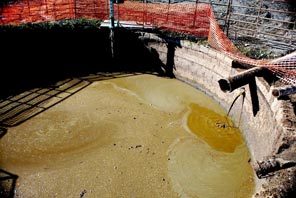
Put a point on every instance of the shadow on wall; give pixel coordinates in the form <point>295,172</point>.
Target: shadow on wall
<point>131,54</point>
<point>38,58</point>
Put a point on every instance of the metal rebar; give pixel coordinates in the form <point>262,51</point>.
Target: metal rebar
<point>252,23</point>
<point>270,19</point>
<point>264,9</point>
<point>264,34</point>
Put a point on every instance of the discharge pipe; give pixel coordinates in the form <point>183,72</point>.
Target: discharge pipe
<point>241,79</point>
<point>284,91</point>
<point>267,167</point>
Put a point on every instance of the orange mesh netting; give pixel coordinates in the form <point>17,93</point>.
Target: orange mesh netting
<point>187,17</point>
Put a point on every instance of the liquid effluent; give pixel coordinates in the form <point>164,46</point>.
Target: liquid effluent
<point>139,136</point>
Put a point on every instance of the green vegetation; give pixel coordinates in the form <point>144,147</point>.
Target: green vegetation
<point>70,24</point>
<point>254,48</point>
<point>255,52</point>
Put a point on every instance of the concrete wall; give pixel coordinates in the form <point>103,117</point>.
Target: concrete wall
<point>268,132</point>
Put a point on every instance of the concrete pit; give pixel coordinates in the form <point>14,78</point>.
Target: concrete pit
<point>144,136</point>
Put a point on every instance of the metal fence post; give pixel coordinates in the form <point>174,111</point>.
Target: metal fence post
<point>227,18</point>
<point>255,34</point>
<point>195,13</point>
<point>29,9</point>
<point>111,16</point>
<point>75,5</point>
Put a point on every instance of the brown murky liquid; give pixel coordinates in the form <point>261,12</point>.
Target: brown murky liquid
<point>215,129</point>
<point>140,136</point>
